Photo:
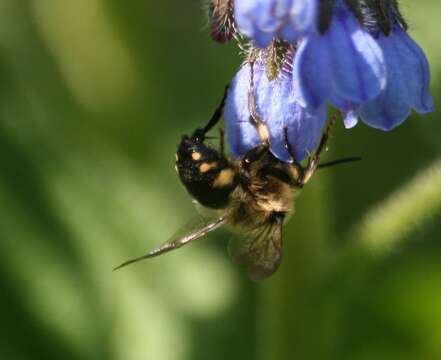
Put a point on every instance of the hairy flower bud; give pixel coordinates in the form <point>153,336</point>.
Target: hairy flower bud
<point>221,19</point>
<point>276,58</point>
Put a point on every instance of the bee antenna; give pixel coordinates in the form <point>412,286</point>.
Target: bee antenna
<point>340,161</point>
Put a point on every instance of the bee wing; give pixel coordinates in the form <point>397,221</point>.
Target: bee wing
<point>195,229</point>
<point>259,250</point>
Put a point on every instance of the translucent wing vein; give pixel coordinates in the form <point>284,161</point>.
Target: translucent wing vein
<point>199,230</point>
<point>259,251</point>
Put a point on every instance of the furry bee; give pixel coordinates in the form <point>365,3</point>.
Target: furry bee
<point>252,196</point>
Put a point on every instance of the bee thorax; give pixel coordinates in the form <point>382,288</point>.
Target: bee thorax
<point>259,203</point>
<point>276,198</point>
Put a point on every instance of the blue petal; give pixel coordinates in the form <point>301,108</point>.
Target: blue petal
<point>407,83</point>
<point>345,61</point>
<point>262,39</point>
<point>277,107</point>
<point>350,119</point>
<point>305,128</point>
<point>260,20</point>
<point>303,14</point>
<point>241,133</point>
<point>244,20</point>
<point>263,20</point>
<point>273,99</point>
<point>422,101</point>
<point>302,19</point>
<point>312,73</point>
<point>273,14</point>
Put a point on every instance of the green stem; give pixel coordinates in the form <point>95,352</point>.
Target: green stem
<point>407,209</point>
<point>287,315</point>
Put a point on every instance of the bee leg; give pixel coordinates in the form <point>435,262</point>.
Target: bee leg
<point>199,133</point>
<point>295,170</point>
<point>314,160</point>
<point>254,154</point>
<point>257,152</point>
<point>255,119</point>
<point>222,142</point>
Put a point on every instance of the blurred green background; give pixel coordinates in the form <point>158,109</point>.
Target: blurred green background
<point>94,95</point>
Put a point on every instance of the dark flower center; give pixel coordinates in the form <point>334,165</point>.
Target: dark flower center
<point>374,15</point>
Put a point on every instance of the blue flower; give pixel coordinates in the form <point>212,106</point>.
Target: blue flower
<point>407,84</point>
<point>343,65</point>
<point>355,55</point>
<point>277,107</point>
<point>263,20</point>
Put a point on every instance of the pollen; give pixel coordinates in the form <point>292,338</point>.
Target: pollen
<point>207,167</point>
<point>196,156</point>
<point>224,178</point>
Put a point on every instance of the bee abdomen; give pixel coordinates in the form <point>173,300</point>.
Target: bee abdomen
<point>207,175</point>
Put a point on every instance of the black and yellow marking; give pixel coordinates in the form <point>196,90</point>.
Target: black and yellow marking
<point>196,156</point>
<point>206,173</point>
<point>208,166</point>
<point>225,178</point>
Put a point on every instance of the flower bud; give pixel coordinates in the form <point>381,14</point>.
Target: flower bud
<point>221,19</point>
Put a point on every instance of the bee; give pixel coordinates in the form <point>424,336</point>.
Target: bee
<point>252,196</point>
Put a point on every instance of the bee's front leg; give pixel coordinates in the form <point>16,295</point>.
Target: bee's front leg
<point>260,150</point>
<point>314,160</point>
<point>295,169</point>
